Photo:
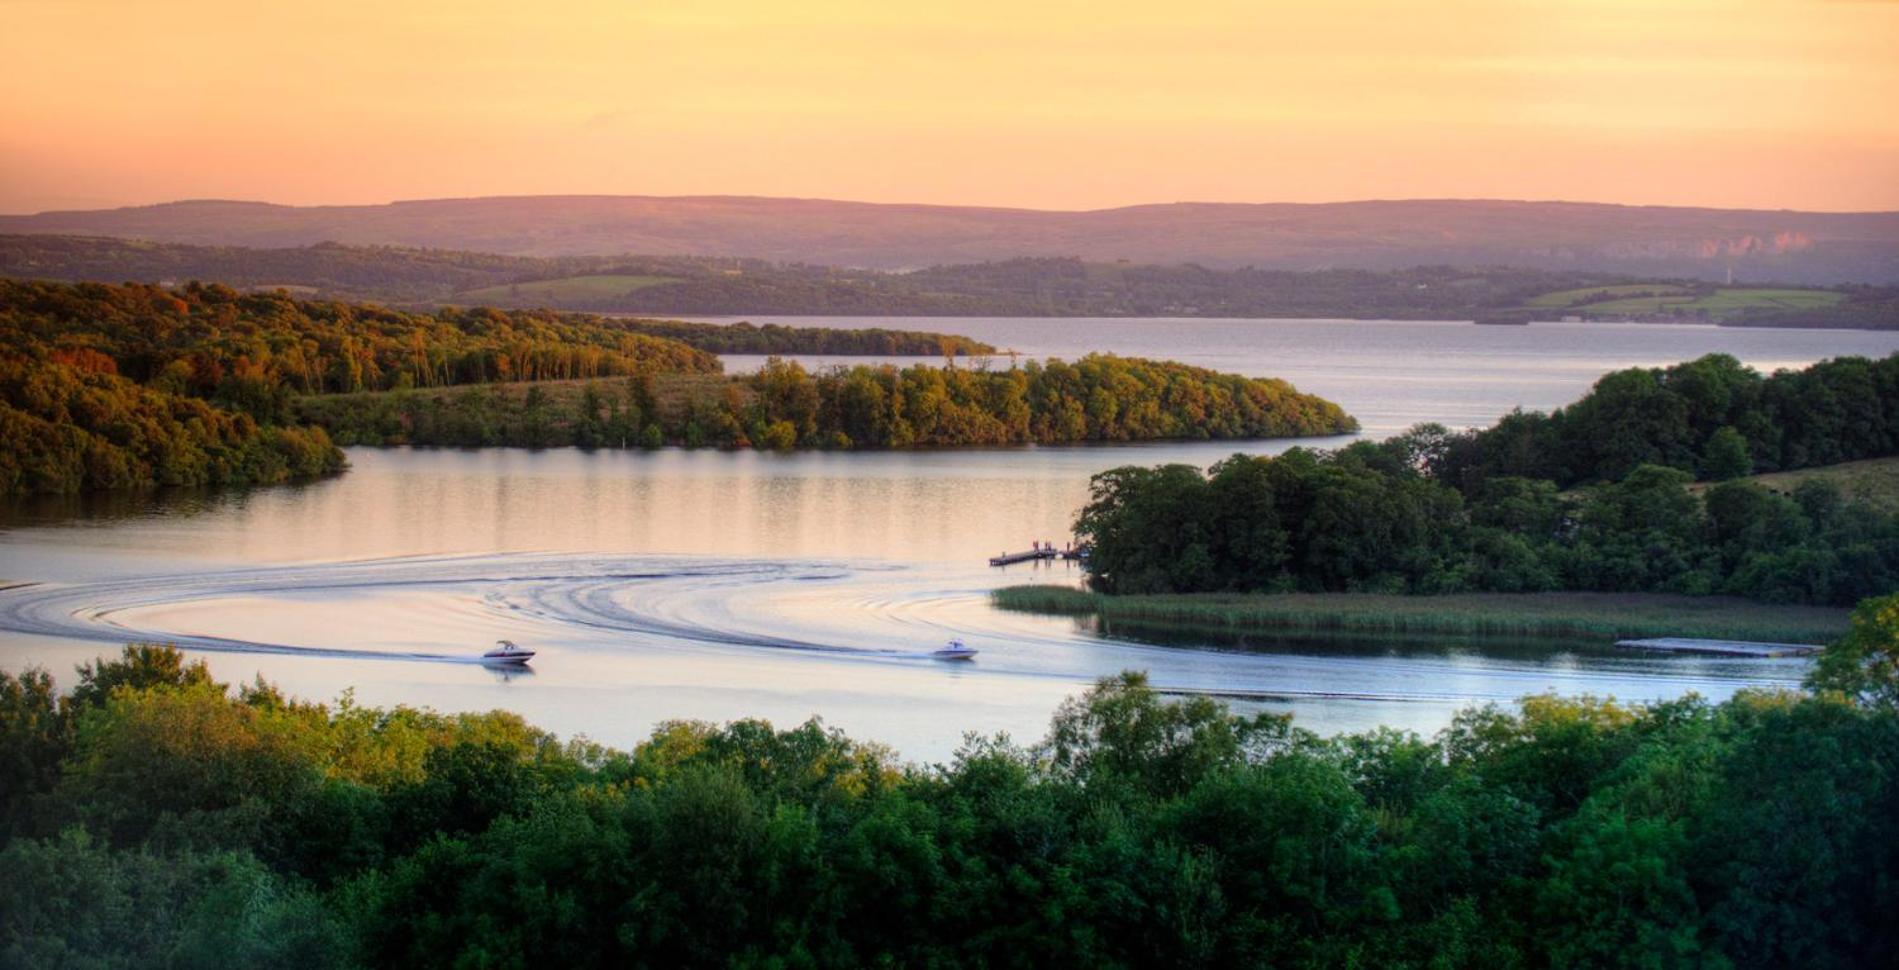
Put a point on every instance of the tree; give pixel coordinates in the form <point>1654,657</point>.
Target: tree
<point>1726,456</point>
<point>36,734</point>
<point>1864,664</point>
<point>1121,732</point>
<point>140,666</point>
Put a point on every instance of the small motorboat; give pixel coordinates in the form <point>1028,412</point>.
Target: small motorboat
<point>953,650</point>
<point>507,652</point>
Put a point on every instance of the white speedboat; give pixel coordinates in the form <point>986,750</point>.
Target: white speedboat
<point>953,650</point>
<point>507,652</point>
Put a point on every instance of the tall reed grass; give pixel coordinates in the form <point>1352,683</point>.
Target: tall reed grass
<point>1562,615</point>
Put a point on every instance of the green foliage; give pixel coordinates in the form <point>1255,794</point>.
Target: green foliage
<point>1725,456</point>
<point>1119,734</point>
<point>252,350</point>
<point>1711,415</point>
<point>1865,663</point>
<point>1364,521</point>
<point>1143,831</point>
<point>72,901</point>
<point>70,424</point>
<point>783,406</point>
<point>36,734</point>
<point>140,666</point>
<point>105,387</point>
<point>1414,515</point>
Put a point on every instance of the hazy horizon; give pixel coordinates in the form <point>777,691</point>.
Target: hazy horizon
<point>953,205</point>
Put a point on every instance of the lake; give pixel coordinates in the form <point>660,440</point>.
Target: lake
<point>717,585</point>
<point>1392,374</point>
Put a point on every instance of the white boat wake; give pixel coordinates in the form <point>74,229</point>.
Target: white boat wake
<point>840,611</point>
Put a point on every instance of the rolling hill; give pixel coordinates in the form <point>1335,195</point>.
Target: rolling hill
<point>703,285</point>
<point>1759,245</point>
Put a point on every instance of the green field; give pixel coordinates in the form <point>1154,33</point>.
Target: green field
<point>1568,298</point>
<point>1661,299</point>
<point>1874,481</point>
<point>1719,303</point>
<point>565,291</point>
<point>1597,616</point>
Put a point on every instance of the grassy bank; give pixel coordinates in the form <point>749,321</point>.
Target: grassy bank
<point>1874,481</point>
<point>1593,615</point>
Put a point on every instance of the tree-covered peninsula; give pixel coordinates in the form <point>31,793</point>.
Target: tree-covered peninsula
<point>1595,497</point>
<point>142,385</point>
<point>784,406</point>
<point>153,817</point>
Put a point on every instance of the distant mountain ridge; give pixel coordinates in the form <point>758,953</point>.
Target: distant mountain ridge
<point>1785,246</point>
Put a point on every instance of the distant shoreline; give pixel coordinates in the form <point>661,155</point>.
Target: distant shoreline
<point>732,318</point>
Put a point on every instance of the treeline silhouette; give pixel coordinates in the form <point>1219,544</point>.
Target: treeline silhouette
<point>154,818</point>
<point>1438,512</point>
<point>784,406</point>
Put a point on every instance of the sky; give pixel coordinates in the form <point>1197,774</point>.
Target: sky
<point>1055,105</point>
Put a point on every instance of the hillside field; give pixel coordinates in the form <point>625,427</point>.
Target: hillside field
<point>1582,295</point>
<point>1661,299</point>
<point>1875,480</point>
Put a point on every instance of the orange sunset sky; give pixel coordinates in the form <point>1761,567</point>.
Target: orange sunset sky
<point>1759,103</point>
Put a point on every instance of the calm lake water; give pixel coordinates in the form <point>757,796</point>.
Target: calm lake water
<point>720,585</point>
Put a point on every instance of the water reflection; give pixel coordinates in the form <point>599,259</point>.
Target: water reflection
<point>508,673</point>
<point>680,636</point>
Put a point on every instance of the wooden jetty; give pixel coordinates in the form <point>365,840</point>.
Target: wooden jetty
<point>1722,648</point>
<point>1070,554</point>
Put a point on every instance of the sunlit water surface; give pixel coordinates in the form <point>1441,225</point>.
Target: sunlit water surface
<point>720,585</point>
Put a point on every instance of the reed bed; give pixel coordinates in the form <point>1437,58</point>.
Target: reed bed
<point>1544,615</point>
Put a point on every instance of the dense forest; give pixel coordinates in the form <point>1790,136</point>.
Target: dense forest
<point>211,341</point>
<point>695,285</point>
<point>1711,417</point>
<point>138,386</point>
<point>253,351</point>
<point>1364,519</point>
<point>152,817</point>
<point>1098,398</point>
<point>71,424</point>
<point>1419,514</point>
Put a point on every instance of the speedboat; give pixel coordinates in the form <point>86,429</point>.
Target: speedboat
<point>507,652</point>
<point>953,650</point>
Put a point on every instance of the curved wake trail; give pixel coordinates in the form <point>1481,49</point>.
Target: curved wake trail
<point>594,594</point>
<point>843,611</point>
